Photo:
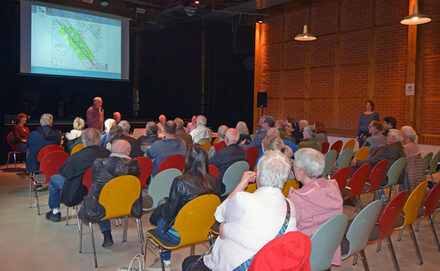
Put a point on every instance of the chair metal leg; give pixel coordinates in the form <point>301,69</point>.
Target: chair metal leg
<point>7,162</point>
<point>379,246</point>
<point>80,235</point>
<point>400,235</point>
<point>434,232</point>
<point>30,191</point>
<point>124,233</point>
<point>364,260</point>
<point>15,160</point>
<point>93,244</point>
<point>161,259</point>
<point>416,246</point>
<point>77,216</point>
<point>67,216</point>
<point>36,198</point>
<point>192,250</point>
<point>393,254</point>
<point>355,259</point>
<point>140,235</point>
<point>395,190</point>
<point>391,190</point>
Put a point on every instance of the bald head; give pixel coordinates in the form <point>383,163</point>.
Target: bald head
<point>232,136</point>
<point>121,146</point>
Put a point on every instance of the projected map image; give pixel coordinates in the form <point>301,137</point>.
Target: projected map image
<point>69,43</point>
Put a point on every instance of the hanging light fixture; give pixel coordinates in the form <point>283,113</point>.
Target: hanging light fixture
<point>260,20</point>
<point>415,18</point>
<point>305,35</point>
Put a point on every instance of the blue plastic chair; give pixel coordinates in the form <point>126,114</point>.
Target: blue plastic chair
<point>325,241</point>
<point>160,186</point>
<point>344,158</point>
<point>394,173</point>
<point>233,175</point>
<point>359,232</point>
<point>330,159</point>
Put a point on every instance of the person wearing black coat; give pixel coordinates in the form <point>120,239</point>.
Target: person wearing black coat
<point>103,170</point>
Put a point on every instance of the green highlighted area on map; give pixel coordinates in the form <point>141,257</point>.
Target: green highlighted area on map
<point>76,42</point>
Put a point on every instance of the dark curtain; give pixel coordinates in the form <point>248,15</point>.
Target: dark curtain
<point>229,76</point>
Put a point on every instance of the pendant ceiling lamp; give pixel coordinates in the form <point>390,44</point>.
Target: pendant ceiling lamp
<point>415,18</point>
<point>305,35</point>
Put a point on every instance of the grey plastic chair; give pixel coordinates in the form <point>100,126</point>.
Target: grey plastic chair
<point>360,230</point>
<point>344,158</point>
<point>233,175</point>
<point>160,186</point>
<point>427,160</point>
<point>330,159</point>
<point>325,241</point>
<point>394,173</point>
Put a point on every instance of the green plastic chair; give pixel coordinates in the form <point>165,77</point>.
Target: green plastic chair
<point>359,232</point>
<point>394,173</point>
<point>233,175</point>
<point>203,140</point>
<point>427,160</point>
<point>344,158</point>
<point>325,241</point>
<point>330,159</point>
<point>433,164</point>
<point>160,186</point>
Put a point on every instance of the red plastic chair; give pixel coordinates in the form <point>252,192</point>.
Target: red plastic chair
<point>252,156</point>
<point>341,176</point>
<point>146,166</point>
<point>357,182</point>
<point>214,171</point>
<point>431,202</point>
<point>50,165</point>
<point>48,149</point>
<point>219,145</point>
<point>337,146</point>
<point>14,151</point>
<point>175,161</point>
<point>325,147</point>
<point>87,179</point>
<point>377,175</point>
<point>387,221</point>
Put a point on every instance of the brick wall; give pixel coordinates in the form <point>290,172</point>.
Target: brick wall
<point>360,54</point>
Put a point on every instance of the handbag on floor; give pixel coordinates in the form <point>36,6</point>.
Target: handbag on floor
<point>138,260</point>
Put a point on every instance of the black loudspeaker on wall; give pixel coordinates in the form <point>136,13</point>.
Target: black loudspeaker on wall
<point>261,99</point>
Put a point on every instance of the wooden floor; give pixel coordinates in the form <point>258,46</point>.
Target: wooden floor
<point>29,242</point>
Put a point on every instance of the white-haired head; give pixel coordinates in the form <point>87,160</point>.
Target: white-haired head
<point>201,120</point>
<point>394,135</point>
<point>273,170</point>
<point>79,123</point>
<point>221,131</point>
<point>125,125</point>
<point>108,124</point>
<point>409,133</point>
<point>242,128</point>
<point>232,136</point>
<point>46,119</point>
<point>311,161</point>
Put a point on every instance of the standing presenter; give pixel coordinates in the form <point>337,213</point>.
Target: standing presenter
<point>95,114</point>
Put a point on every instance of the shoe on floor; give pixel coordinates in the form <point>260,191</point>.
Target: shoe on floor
<point>108,239</point>
<point>156,266</point>
<point>53,217</point>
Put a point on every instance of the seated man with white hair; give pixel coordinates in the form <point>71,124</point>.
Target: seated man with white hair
<point>309,141</point>
<point>221,132</point>
<point>201,132</point>
<point>228,155</point>
<point>250,220</point>
<point>415,167</point>
<point>134,143</point>
<point>108,124</point>
<point>319,199</point>
<point>151,130</point>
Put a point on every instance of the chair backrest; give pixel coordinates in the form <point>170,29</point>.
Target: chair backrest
<point>362,153</point>
<point>432,200</point>
<point>251,188</point>
<point>330,159</point>
<point>118,195</point>
<point>412,205</point>
<point>146,168</point>
<point>51,163</point>
<point>344,158</point>
<point>214,171</point>
<point>434,163</point>
<point>337,146</point>
<point>427,159</point>
<point>325,241</point>
<point>87,179</point>
<point>349,144</point>
<point>290,183</point>
<point>233,175</point>
<point>325,146</point>
<point>195,219</point>
<point>252,156</point>
<point>160,185</point>
<point>358,180</point>
<point>362,226</point>
<point>395,171</point>
<point>174,161</point>
<point>47,149</point>
<point>391,214</point>
<point>219,145</point>
<point>206,145</point>
<point>77,148</point>
<point>203,140</point>
<point>341,176</point>
<point>377,175</point>
<point>10,138</point>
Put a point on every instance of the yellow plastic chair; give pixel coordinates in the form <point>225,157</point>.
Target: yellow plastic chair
<point>77,148</point>
<point>349,144</point>
<point>411,210</point>
<point>290,183</point>
<point>215,140</point>
<point>117,197</point>
<point>362,153</point>
<point>193,223</point>
<point>251,188</point>
<point>206,145</point>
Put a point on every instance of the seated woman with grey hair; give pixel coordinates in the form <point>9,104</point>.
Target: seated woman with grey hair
<point>415,167</point>
<point>319,199</point>
<point>251,220</point>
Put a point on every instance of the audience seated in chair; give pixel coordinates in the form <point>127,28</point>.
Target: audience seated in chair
<point>201,132</point>
<point>415,167</point>
<point>20,132</point>
<point>108,124</point>
<point>103,170</point>
<point>220,142</point>
<point>151,130</point>
<point>41,137</point>
<point>181,133</point>
<point>72,138</point>
<point>266,122</point>
<point>67,187</point>
<point>376,139</point>
<point>242,128</point>
<point>192,125</point>
<point>160,124</point>
<point>309,141</point>
<point>319,199</point>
